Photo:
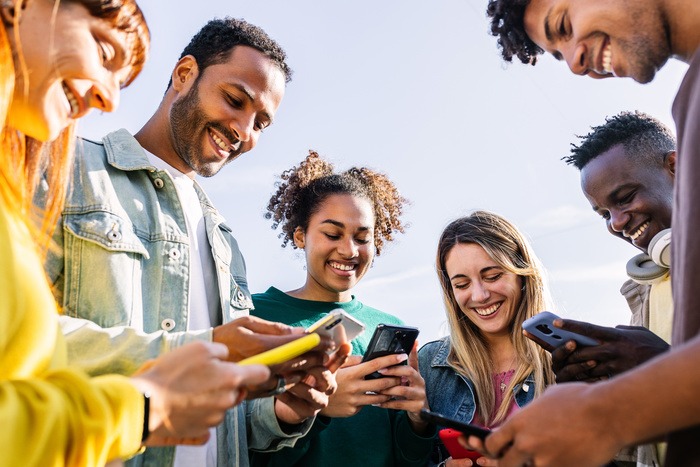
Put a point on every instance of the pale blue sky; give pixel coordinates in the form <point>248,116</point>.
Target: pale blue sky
<point>417,90</point>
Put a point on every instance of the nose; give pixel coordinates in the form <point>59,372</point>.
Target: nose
<point>479,292</point>
<point>576,58</point>
<point>348,249</point>
<point>618,220</point>
<point>104,97</point>
<point>243,128</point>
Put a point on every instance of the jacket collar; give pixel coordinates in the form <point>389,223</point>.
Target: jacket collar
<point>125,153</point>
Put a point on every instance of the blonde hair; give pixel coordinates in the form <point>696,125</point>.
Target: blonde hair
<point>469,354</point>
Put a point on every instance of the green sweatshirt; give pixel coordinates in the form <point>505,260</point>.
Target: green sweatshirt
<point>374,436</point>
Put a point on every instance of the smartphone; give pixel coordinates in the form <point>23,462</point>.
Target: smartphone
<point>465,428</point>
<point>387,340</point>
<point>541,326</point>
<point>284,352</point>
<point>334,323</point>
<point>448,436</point>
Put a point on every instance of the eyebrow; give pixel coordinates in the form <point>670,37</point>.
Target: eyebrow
<point>341,225</point>
<point>485,270</point>
<point>250,96</point>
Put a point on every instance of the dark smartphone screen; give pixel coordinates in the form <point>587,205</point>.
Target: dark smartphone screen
<point>467,429</point>
<point>387,340</point>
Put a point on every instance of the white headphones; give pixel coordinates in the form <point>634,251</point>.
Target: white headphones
<point>649,268</point>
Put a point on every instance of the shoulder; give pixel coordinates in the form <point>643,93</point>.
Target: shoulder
<point>378,316</point>
<point>435,352</point>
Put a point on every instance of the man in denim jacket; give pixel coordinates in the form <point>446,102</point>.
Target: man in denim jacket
<point>148,264</point>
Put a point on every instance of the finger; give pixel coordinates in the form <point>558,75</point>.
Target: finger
<point>216,349</point>
<point>383,362</point>
<point>601,333</point>
<point>413,356</point>
<point>261,326</point>
<point>538,341</point>
<point>244,375</point>
<point>339,357</point>
<point>575,372</point>
<point>352,360</point>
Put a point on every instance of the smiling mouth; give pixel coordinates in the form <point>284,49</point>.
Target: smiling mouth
<point>72,101</point>
<point>607,59</point>
<point>226,149</point>
<point>635,235</point>
<point>488,311</point>
<point>341,267</point>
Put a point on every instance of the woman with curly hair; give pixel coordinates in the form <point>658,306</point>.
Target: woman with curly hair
<point>486,369</point>
<point>341,221</point>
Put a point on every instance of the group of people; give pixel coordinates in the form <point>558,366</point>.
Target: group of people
<point>125,304</point>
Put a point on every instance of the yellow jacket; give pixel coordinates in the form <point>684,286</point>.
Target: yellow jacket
<point>51,415</point>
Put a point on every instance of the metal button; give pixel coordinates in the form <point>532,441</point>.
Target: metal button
<point>167,324</point>
<point>114,235</point>
<point>174,254</point>
<point>158,182</point>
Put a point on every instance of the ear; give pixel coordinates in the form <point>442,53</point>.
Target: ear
<point>185,73</point>
<point>8,11</point>
<point>299,238</point>
<point>670,162</point>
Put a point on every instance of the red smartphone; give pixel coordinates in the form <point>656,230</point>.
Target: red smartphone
<point>456,450</point>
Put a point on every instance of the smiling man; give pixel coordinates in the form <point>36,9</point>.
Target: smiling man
<point>147,263</point>
<point>582,424</point>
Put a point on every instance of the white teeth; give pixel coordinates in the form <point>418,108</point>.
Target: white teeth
<point>72,100</point>
<point>639,231</point>
<point>219,142</point>
<point>487,311</point>
<point>342,267</point>
<point>607,59</point>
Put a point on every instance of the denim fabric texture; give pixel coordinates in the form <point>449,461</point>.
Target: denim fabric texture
<point>451,394</point>
<point>121,273</point>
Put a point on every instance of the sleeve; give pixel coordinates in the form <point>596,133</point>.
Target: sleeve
<point>121,349</point>
<point>410,448</point>
<point>295,452</point>
<point>264,431</point>
<point>66,418</point>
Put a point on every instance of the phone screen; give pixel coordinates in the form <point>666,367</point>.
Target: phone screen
<point>389,340</point>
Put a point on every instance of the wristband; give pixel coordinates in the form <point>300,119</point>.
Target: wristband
<point>146,413</point>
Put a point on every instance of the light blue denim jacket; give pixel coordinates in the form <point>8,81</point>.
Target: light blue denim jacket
<point>121,271</point>
<point>451,394</point>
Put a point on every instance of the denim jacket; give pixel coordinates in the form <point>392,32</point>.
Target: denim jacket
<point>451,394</point>
<point>121,272</point>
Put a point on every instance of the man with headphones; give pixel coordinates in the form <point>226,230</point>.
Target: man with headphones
<point>627,170</point>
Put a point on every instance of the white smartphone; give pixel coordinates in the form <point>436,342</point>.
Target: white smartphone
<point>335,323</point>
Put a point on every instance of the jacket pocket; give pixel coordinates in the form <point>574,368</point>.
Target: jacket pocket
<point>103,269</point>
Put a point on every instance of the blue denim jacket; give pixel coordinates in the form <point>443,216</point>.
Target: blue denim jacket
<point>451,394</point>
<point>121,272</point>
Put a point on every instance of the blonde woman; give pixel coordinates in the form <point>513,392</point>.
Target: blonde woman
<point>486,369</point>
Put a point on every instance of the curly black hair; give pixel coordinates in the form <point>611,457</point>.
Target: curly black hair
<point>642,136</point>
<point>507,24</point>
<point>302,189</point>
<point>212,44</point>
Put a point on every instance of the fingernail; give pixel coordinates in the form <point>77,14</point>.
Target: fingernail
<point>382,371</point>
<point>401,357</point>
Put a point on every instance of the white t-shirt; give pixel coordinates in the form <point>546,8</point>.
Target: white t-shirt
<point>203,295</point>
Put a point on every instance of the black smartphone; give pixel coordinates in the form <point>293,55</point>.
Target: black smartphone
<point>466,428</point>
<point>387,340</point>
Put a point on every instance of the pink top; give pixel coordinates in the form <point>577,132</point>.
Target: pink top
<point>500,382</point>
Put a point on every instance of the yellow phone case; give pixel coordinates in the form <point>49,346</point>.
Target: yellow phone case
<point>284,352</point>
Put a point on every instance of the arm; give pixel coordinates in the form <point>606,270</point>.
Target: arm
<point>584,424</point>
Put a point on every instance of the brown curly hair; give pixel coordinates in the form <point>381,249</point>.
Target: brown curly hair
<point>302,189</point>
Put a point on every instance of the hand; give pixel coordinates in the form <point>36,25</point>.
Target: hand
<point>621,348</point>
<point>306,398</point>
<point>353,389</point>
<point>565,426</point>
<point>410,395</point>
<point>249,335</point>
<point>190,390</point>
<point>466,462</point>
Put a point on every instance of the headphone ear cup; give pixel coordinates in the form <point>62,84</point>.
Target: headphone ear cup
<point>643,270</point>
<point>660,248</point>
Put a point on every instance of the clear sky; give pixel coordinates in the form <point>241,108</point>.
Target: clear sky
<point>417,90</point>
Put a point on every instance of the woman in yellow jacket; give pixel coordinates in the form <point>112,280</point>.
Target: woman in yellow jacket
<point>59,59</point>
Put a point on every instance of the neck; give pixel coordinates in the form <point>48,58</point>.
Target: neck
<point>503,355</point>
<point>155,137</point>
<point>320,294</point>
<point>682,18</point>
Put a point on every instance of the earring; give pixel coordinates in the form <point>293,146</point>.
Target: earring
<point>9,9</point>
